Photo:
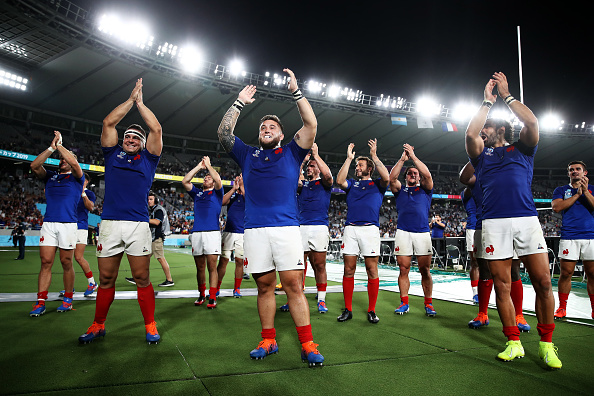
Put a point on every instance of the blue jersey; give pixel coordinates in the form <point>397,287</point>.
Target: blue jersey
<point>470,207</point>
<point>437,231</point>
<point>364,200</point>
<point>207,208</point>
<point>62,192</point>
<point>82,213</point>
<point>412,205</point>
<point>477,197</point>
<point>128,180</point>
<point>505,177</point>
<point>314,201</point>
<point>235,214</point>
<point>270,178</point>
<point>578,222</point>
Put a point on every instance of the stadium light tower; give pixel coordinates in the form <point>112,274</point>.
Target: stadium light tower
<point>551,122</point>
<point>235,67</point>
<point>463,112</point>
<point>12,80</point>
<point>428,107</point>
<point>190,58</point>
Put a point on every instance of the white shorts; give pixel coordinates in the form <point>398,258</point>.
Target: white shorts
<point>269,248</point>
<point>117,236</point>
<point>576,249</point>
<point>364,240</point>
<point>479,252</point>
<point>315,238</point>
<point>62,235</point>
<point>470,240</point>
<point>412,243</point>
<point>500,237</point>
<point>81,237</point>
<point>206,242</point>
<point>232,241</point>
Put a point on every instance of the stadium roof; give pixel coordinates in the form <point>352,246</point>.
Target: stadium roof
<point>77,73</point>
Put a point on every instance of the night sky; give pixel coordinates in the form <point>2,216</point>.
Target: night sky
<point>447,50</point>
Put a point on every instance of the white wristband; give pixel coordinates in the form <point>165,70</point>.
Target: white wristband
<point>84,194</point>
<point>51,149</point>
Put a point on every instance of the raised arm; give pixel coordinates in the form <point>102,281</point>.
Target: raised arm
<point>227,125</point>
<point>467,176</point>
<point>187,180</point>
<point>109,133</point>
<point>228,194</point>
<point>37,164</point>
<point>307,134</point>
<point>68,157</point>
<point>325,173</point>
<point>474,142</point>
<point>395,184</point>
<point>379,165</point>
<point>218,183</point>
<point>301,176</point>
<point>426,178</point>
<point>529,134</point>
<point>341,177</point>
<point>154,141</point>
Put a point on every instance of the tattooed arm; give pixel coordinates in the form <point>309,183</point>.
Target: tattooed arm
<point>225,131</point>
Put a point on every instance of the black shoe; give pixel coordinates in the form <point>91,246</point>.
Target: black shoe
<point>345,315</point>
<point>131,280</point>
<point>166,283</point>
<point>372,317</point>
<point>246,276</point>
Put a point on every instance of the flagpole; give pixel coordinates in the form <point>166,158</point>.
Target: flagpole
<point>520,67</point>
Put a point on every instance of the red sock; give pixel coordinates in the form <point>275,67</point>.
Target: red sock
<point>372,292</point>
<point>237,284</point>
<point>517,295</point>
<point>545,331</point>
<point>348,286</point>
<point>102,303</point>
<point>219,285</point>
<point>89,274</point>
<point>213,293</point>
<point>146,300</point>
<point>512,333</point>
<point>563,300</point>
<point>321,286</point>
<point>428,301</point>
<point>304,270</point>
<point>485,287</point>
<point>304,333</point>
<point>591,301</point>
<point>42,296</point>
<point>404,299</point>
<point>202,289</point>
<point>268,333</point>
<point>68,294</point>
<point>474,283</point>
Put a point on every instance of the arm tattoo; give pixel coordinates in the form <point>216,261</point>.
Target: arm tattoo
<point>226,128</point>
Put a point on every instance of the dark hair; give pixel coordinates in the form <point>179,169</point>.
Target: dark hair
<point>577,162</point>
<point>497,123</point>
<point>138,128</point>
<point>273,118</point>
<point>370,163</point>
<point>87,177</point>
<point>152,194</point>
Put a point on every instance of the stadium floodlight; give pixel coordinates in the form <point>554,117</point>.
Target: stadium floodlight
<point>550,122</point>
<point>334,91</point>
<point>501,115</point>
<point>314,86</point>
<point>235,67</point>
<point>191,58</point>
<point>463,111</point>
<point>428,107</point>
<point>12,80</point>
<point>133,32</point>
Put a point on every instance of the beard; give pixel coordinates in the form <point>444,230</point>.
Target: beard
<point>271,144</point>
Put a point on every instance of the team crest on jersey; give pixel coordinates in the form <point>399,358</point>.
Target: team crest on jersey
<point>490,249</point>
<point>489,151</point>
<point>566,252</point>
<point>568,194</point>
